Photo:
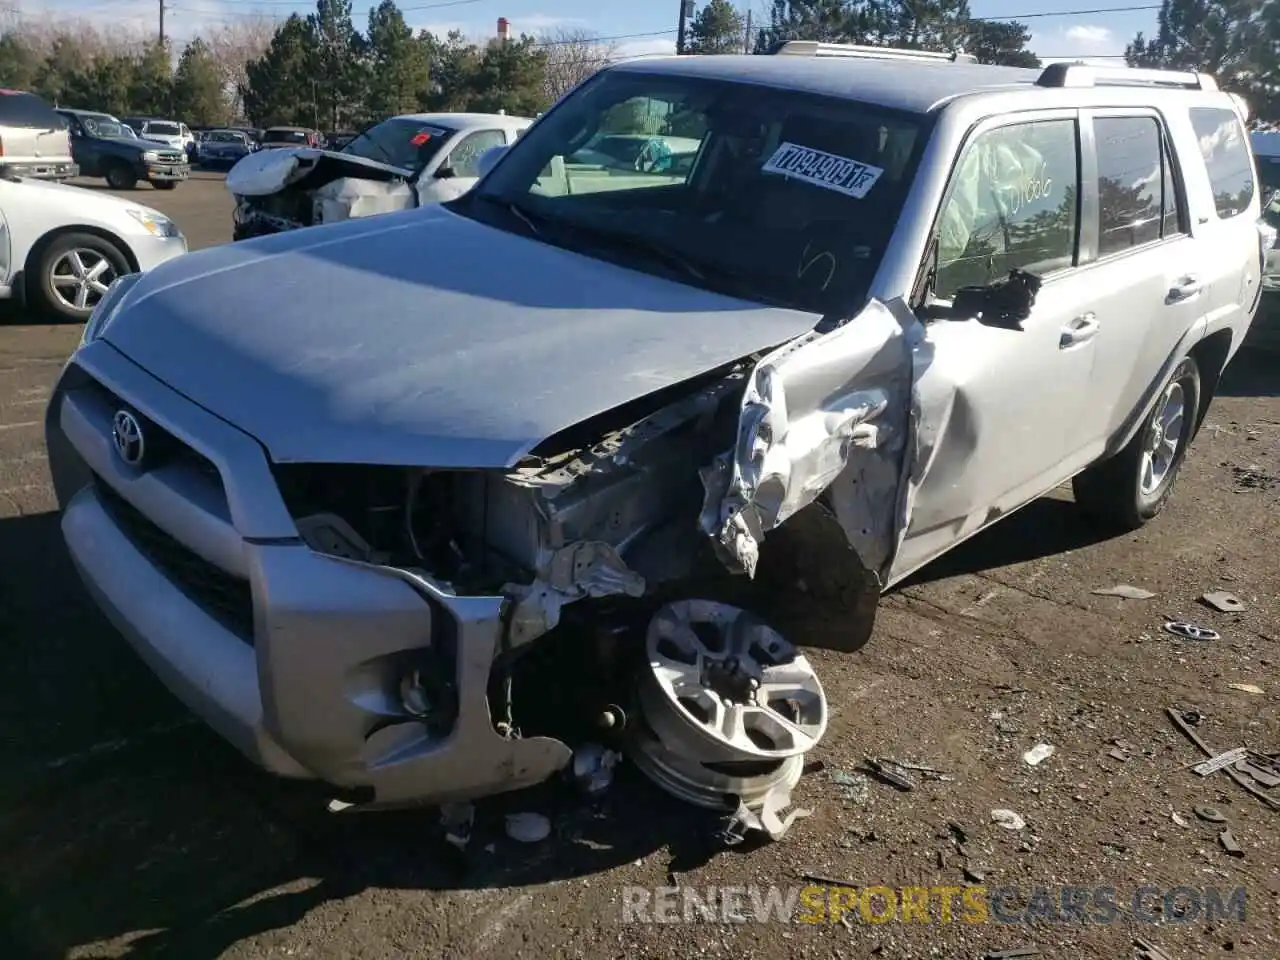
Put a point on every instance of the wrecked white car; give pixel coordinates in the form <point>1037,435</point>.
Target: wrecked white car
<point>398,164</point>
<point>584,443</point>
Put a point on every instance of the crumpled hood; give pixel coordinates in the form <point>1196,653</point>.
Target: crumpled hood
<point>423,338</point>
<point>267,171</point>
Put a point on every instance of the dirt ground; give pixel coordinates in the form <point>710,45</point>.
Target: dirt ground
<point>127,829</point>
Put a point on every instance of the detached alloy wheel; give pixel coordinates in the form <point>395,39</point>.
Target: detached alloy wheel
<point>72,273</point>
<point>1132,487</point>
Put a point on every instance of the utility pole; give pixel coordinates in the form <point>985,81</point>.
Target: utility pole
<point>686,11</point>
<point>746,40</point>
<point>162,23</point>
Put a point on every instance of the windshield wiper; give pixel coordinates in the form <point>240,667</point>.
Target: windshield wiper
<point>638,243</point>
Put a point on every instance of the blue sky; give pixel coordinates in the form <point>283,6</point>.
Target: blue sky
<point>640,27</point>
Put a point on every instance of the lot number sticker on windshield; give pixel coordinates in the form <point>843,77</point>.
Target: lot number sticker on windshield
<point>822,169</point>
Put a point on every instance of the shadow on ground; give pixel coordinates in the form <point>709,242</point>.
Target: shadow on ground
<point>1251,373</point>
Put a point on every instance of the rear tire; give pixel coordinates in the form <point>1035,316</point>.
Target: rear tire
<point>121,177</point>
<point>68,275</point>
<point>1132,487</point>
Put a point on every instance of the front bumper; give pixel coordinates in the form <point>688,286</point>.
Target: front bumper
<point>153,251</point>
<point>168,171</point>
<point>294,657</point>
<point>42,169</point>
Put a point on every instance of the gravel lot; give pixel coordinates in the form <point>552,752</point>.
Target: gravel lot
<point>126,829</point>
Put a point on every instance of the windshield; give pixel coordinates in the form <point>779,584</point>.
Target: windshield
<point>773,195</point>
<point>284,136</point>
<point>163,129</point>
<point>225,136</point>
<point>105,127</point>
<point>399,142</point>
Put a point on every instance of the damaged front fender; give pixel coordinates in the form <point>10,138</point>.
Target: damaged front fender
<point>828,415</point>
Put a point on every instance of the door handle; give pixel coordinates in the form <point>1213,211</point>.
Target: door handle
<point>1188,288</point>
<point>1083,328</point>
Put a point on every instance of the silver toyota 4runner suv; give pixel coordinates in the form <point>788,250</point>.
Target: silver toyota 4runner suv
<point>335,484</point>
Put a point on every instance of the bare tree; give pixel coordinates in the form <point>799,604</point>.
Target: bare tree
<point>572,56</point>
<point>235,45</point>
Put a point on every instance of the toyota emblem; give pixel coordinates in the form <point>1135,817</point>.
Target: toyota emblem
<point>126,435</point>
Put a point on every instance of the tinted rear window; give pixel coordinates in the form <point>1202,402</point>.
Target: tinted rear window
<point>1226,155</point>
<point>284,136</point>
<point>164,129</point>
<point>19,109</point>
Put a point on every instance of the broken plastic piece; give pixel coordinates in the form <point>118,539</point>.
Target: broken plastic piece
<point>1221,761</point>
<point>1007,819</point>
<point>1038,754</point>
<point>1246,688</point>
<point>1125,591</point>
<point>769,819</point>
<point>593,767</point>
<point>457,820</point>
<point>1223,601</point>
<point>1228,841</point>
<point>528,827</point>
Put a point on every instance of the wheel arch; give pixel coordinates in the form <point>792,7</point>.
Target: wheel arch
<point>1210,355</point>
<point>38,248</point>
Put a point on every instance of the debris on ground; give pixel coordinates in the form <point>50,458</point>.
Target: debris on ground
<point>1221,761</point>
<point>1117,754</point>
<point>1038,754</point>
<point>813,875</point>
<point>1148,950</point>
<point>1124,591</point>
<point>1253,477</point>
<point>1247,688</point>
<point>1013,953</point>
<point>1244,781</point>
<point>1179,819</point>
<point>854,786</point>
<point>457,819</point>
<point>528,827</point>
<point>887,773</point>
<point>926,772</point>
<point>723,693</point>
<point>1190,631</point>
<point>1007,819</point>
<point>1264,770</point>
<point>592,767</point>
<point>1229,844</point>
<point>1209,814</point>
<point>1223,601</point>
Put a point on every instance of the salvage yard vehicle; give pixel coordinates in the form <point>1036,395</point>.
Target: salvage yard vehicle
<point>398,164</point>
<point>66,245</point>
<point>895,297</point>
<point>105,147</point>
<point>33,138</point>
<point>219,148</point>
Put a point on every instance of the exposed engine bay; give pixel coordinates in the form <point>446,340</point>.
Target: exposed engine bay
<point>634,530</point>
<point>284,189</point>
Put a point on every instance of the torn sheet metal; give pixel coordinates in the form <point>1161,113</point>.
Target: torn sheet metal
<point>349,198</point>
<point>585,569</point>
<point>827,413</point>
<point>268,171</point>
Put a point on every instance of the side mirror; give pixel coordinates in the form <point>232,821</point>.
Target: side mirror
<point>1005,304</point>
<point>489,158</point>
<point>446,173</point>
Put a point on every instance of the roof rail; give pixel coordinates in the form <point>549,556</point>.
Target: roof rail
<point>813,48</point>
<point>1087,75</point>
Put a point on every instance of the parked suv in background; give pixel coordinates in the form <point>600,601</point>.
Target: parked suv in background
<point>33,139</point>
<point>105,147</point>
<point>895,297</point>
